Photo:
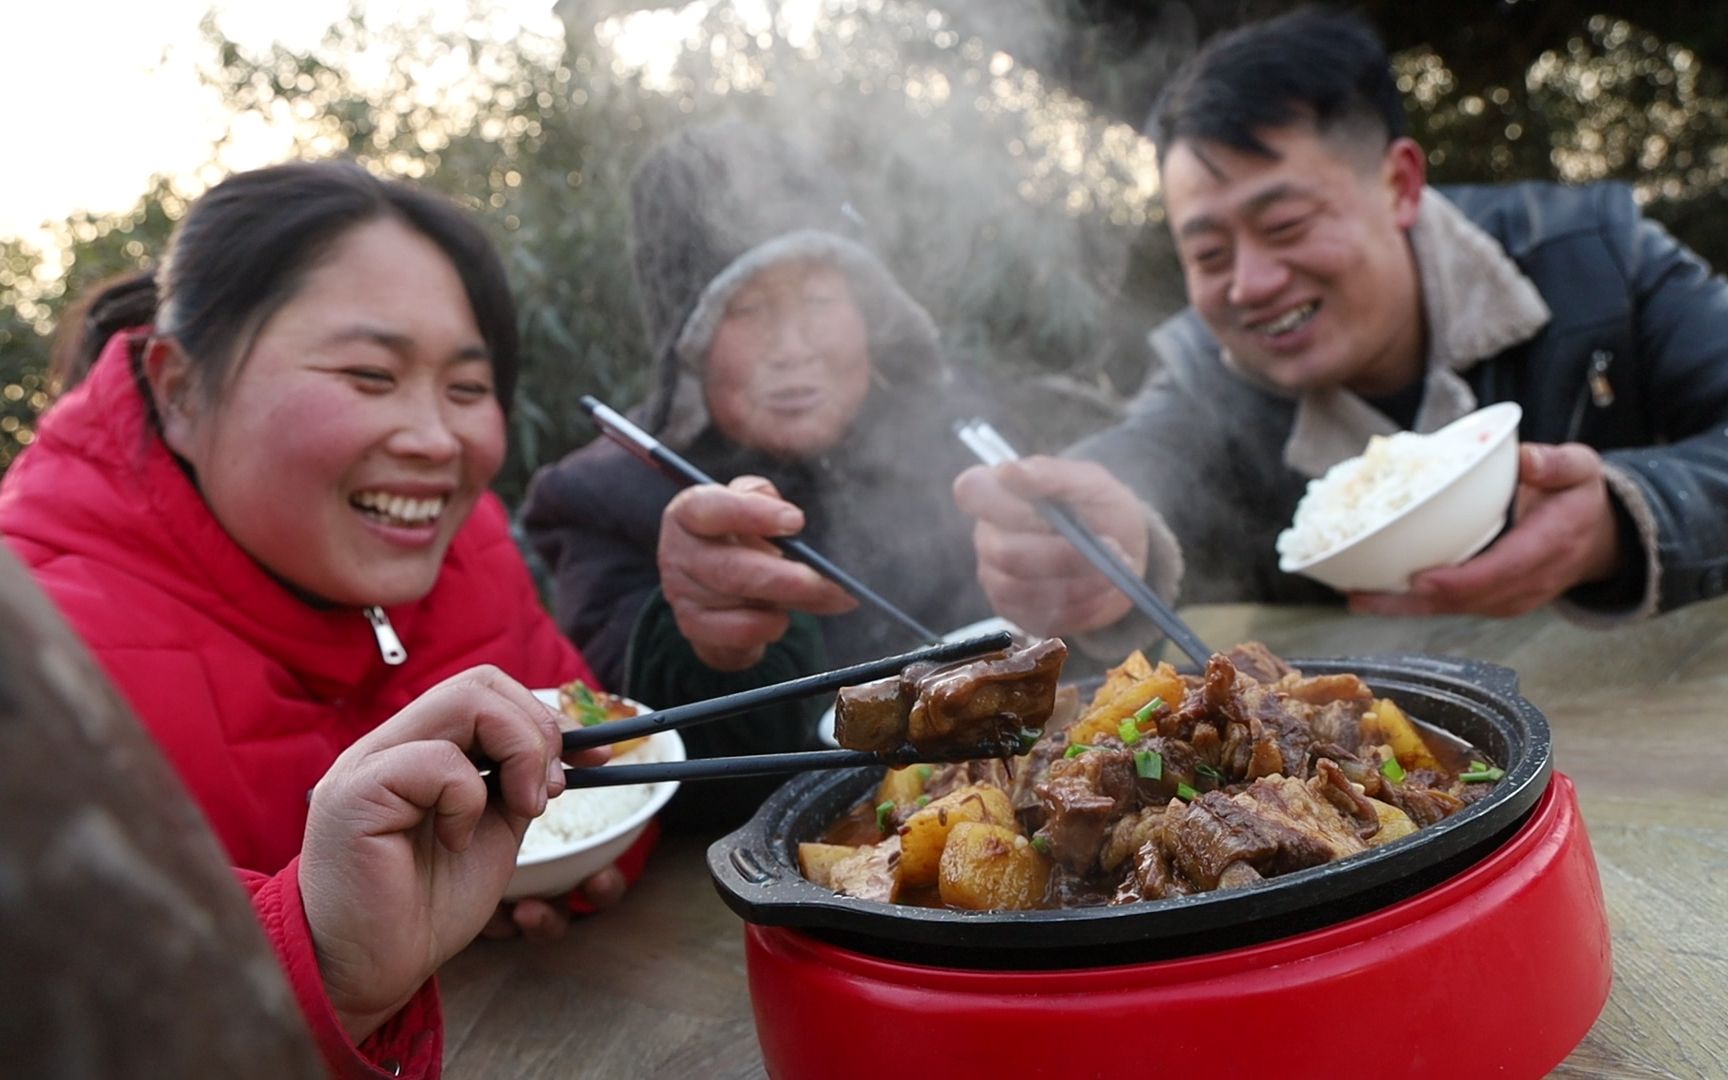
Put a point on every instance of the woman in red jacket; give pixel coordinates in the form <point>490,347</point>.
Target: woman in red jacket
<point>263,501</point>
<point>127,950</point>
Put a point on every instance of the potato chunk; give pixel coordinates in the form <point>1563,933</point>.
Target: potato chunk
<point>926,831</point>
<point>816,861</point>
<point>1386,723</point>
<point>991,867</point>
<point>903,786</point>
<point>1126,689</point>
<point>1393,823</point>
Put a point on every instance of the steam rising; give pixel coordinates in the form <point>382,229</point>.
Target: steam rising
<point>1005,204</point>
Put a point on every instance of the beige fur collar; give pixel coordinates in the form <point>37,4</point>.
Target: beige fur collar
<point>1476,303</point>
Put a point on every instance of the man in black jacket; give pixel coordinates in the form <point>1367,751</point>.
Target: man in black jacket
<point>1335,296</point>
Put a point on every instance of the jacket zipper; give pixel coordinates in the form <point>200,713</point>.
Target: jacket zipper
<point>388,643</point>
<point>1597,389</point>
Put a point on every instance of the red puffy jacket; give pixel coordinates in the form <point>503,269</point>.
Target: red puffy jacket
<point>410,1044</point>
<point>251,691</point>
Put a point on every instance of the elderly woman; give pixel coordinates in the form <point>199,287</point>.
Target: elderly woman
<point>790,362</point>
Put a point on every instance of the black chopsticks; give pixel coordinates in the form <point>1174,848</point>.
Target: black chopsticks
<point>700,712</point>
<point>656,453</point>
<point>722,768</point>
<point>988,445</point>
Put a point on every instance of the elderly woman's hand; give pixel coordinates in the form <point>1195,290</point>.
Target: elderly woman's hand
<point>405,857</point>
<point>1033,576</point>
<point>731,590</point>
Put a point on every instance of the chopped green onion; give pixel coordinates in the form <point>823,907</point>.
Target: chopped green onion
<point>1208,771</point>
<point>1392,771</point>
<point>1477,775</point>
<point>589,711</point>
<point>1149,763</point>
<point>925,772</point>
<point>1129,730</point>
<point>1144,713</point>
<point>1478,766</point>
<point>1076,750</point>
<point>883,809</point>
<point>1042,844</point>
<point>1183,791</point>
<point>921,801</point>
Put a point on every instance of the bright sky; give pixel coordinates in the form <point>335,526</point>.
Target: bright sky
<point>98,95</point>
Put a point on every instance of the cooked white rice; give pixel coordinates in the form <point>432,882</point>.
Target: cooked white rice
<point>1365,492</point>
<point>584,812</point>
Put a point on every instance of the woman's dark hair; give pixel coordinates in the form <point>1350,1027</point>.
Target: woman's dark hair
<point>1327,67</point>
<point>243,250</point>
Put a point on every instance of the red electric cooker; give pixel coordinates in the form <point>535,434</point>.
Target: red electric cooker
<point>1477,946</point>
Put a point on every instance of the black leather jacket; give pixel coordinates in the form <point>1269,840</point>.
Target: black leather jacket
<point>1634,362</point>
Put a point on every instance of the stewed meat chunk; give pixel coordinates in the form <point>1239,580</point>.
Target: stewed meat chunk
<point>987,707</point>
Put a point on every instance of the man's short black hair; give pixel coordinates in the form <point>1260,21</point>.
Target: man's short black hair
<point>1326,67</point>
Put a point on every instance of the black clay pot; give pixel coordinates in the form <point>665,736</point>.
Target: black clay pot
<point>755,867</point>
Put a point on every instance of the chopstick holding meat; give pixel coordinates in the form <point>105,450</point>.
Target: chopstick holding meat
<point>994,706</point>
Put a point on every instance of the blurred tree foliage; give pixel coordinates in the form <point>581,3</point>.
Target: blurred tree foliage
<point>34,292</point>
<point>1496,90</point>
<point>992,146</point>
<point>998,201</point>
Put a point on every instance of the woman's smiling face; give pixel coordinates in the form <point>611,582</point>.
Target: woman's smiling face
<point>354,438</point>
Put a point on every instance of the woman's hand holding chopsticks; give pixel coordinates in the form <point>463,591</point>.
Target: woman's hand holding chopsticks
<point>405,856</point>
<point>1034,576</point>
<point>730,589</point>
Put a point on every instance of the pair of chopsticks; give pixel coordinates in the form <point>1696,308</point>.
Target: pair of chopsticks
<point>988,445</point>
<point>657,454</point>
<point>701,712</point>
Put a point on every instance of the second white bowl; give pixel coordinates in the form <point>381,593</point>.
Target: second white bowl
<point>1454,520</point>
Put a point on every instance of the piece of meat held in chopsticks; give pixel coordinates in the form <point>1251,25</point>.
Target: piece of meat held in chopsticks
<point>989,707</point>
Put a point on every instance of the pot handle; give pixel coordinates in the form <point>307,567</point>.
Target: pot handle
<point>744,863</point>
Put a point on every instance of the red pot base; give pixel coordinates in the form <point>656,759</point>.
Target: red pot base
<point>1499,971</point>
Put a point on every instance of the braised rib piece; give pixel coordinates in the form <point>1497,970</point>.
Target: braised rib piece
<point>1274,826</point>
<point>1083,796</point>
<point>868,873</point>
<point>1259,663</point>
<point>976,709</point>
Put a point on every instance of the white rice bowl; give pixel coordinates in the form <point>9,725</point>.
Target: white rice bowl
<point>585,829</point>
<point>1409,502</point>
<point>1369,490</point>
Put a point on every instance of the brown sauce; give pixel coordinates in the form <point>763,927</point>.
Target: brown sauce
<point>855,828</point>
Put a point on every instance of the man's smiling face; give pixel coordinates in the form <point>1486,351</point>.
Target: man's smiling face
<point>1299,261</point>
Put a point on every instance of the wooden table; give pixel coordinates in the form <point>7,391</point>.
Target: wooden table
<point>656,987</point>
